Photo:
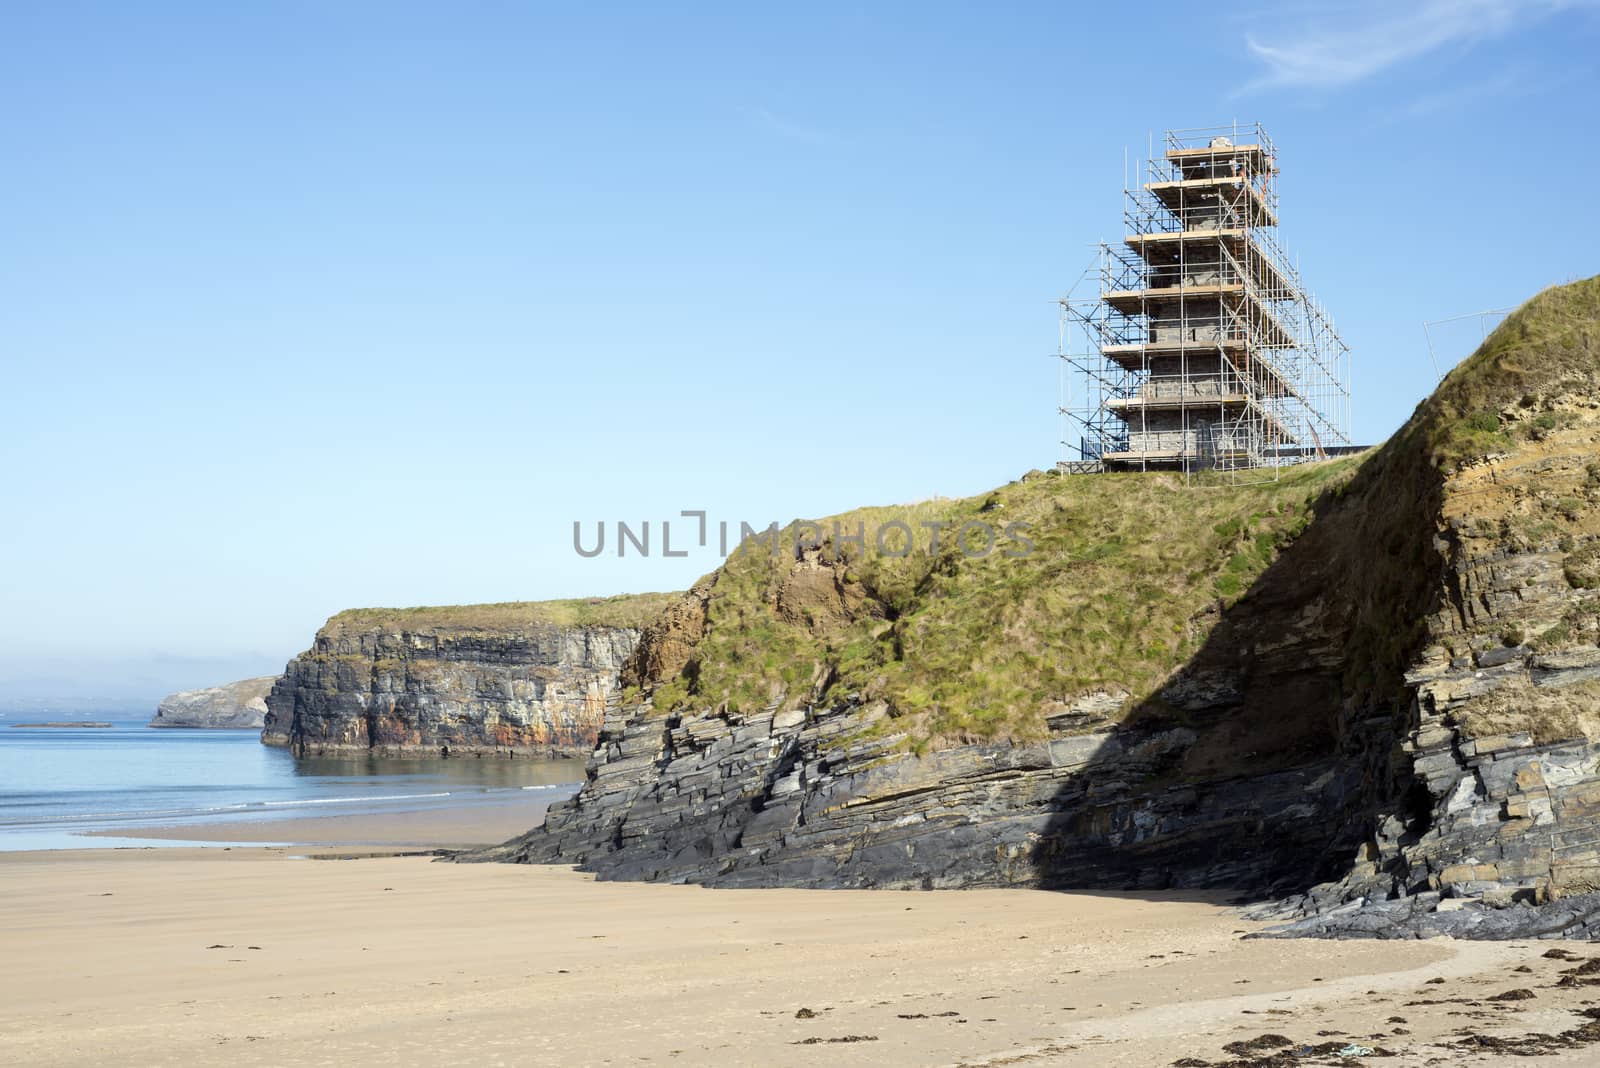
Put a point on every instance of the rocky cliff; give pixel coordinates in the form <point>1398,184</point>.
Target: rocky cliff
<point>1372,681</point>
<point>1501,751</point>
<point>238,705</point>
<point>509,679</point>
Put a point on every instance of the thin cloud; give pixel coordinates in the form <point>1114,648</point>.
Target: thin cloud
<point>785,128</point>
<point>1320,56</point>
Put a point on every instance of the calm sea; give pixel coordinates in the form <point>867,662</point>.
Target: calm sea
<point>56,783</point>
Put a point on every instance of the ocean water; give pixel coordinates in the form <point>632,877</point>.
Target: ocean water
<point>57,783</point>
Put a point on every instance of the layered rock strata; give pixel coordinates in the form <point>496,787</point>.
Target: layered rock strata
<point>1501,817</point>
<point>418,688</point>
<point>785,798</point>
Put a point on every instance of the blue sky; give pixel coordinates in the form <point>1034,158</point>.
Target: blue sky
<point>310,306</point>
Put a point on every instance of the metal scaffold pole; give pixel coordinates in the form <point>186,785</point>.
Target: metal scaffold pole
<point>1202,352</point>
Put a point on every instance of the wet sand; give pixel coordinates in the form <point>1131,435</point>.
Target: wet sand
<point>253,957</point>
<point>452,827</point>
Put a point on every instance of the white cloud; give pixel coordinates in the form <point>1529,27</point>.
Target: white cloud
<point>1355,46</point>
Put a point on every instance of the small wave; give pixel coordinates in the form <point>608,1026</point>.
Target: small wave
<point>145,815</point>
<point>348,800</point>
<point>129,814</point>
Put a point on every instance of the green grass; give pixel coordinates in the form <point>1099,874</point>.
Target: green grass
<point>1122,567</point>
<point>1544,348</point>
<point>1582,567</point>
<point>624,610</point>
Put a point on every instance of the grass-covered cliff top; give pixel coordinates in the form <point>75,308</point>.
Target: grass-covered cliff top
<point>1500,394</point>
<point>625,610</point>
<point>1112,593</point>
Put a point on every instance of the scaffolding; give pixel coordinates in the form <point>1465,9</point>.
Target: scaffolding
<point>1203,351</point>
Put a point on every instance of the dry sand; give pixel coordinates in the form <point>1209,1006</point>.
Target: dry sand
<point>255,957</point>
<point>271,956</point>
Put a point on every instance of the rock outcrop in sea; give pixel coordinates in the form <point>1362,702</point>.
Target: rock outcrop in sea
<point>521,679</point>
<point>1381,706</point>
<point>235,706</point>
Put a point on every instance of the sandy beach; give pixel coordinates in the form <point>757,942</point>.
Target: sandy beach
<point>265,956</point>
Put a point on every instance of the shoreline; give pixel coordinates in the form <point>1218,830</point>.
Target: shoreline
<point>441,751</point>
<point>457,826</point>
<point>255,957</point>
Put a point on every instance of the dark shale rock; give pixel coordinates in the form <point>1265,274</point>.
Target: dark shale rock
<point>779,799</point>
<point>1420,916</point>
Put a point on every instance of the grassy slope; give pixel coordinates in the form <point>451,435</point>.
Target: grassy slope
<point>624,610</point>
<point>1492,399</point>
<point>1122,570</point>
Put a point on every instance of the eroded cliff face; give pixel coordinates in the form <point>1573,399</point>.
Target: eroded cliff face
<point>1502,751</point>
<point>415,687</point>
<point>235,706</point>
<point>1399,719</point>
